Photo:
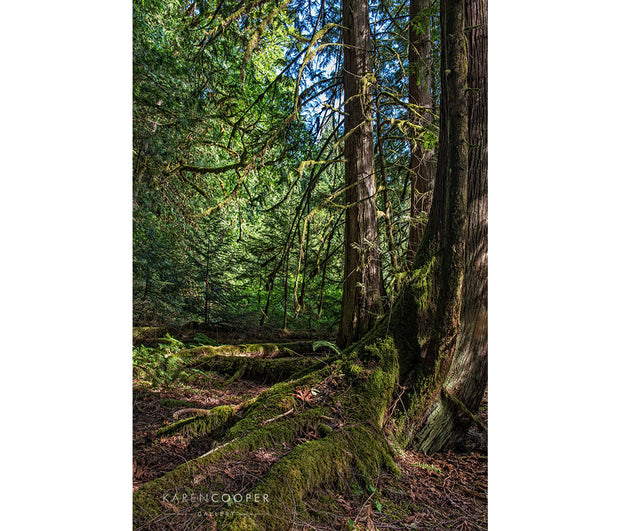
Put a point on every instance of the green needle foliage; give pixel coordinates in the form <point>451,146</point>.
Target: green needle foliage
<point>239,199</point>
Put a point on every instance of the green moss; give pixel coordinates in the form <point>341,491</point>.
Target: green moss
<point>355,369</point>
<point>244,523</point>
<point>324,430</point>
<point>147,499</point>
<point>148,333</point>
<point>360,447</point>
<point>260,350</point>
<point>395,511</point>
<point>276,400</point>
<point>330,460</point>
<point>258,369</point>
<point>375,383</point>
<point>171,402</point>
<point>216,420</point>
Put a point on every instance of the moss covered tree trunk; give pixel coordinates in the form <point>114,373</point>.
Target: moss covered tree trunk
<point>461,360</point>
<point>361,297</point>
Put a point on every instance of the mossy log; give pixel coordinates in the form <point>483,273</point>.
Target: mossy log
<point>148,334</point>
<point>258,369</point>
<point>250,350</point>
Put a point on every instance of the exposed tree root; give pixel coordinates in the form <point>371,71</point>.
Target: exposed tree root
<point>329,460</point>
<point>195,410</point>
<point>207,422</point>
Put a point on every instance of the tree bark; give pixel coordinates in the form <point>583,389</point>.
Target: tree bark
<point>420,80</point>
<point>207,286</point>
<point>442,424</point>
<point>286,290</point>
<point>389,234</point>
<point>361,297</point>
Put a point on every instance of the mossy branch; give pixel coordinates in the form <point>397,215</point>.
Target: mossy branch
<point>202,170</point>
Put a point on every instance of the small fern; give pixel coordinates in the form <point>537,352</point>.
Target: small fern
<point>204,339</point>
<point>172,345</point>
<point>161,366</point>
<point>318,344</point>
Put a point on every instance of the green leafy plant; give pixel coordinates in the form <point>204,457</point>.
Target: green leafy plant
<point>171,344</point>
<point>160,366</point>
<point>204,339</point>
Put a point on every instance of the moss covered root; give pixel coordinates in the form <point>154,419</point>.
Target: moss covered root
<point>327,461</point>
<point>217,419</point>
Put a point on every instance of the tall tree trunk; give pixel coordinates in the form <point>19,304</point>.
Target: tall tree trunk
<point>207,286</point>
<point>286,291</point>
<point>361,297</point>
<point>420,80</point>
<point>389,234</point>
<point>446,420</point>
<point>269,284</point>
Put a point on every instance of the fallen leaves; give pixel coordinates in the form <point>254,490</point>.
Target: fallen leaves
<point>305,395</point>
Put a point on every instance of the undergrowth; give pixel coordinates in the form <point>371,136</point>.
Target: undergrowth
<point>161,366</point>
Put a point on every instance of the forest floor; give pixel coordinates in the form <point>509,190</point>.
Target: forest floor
<point>445,490</point>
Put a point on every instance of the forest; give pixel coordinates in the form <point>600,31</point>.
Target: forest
<point>310,209</point>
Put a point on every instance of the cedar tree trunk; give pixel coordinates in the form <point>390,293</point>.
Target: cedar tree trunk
<point>361,297</point>
<point>446,420</point>
<point>420,80</point>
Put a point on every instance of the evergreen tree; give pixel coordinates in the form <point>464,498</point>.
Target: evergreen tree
<point>361,297</point>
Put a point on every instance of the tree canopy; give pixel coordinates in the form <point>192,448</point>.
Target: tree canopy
<point>239,189</point>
